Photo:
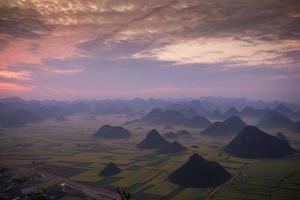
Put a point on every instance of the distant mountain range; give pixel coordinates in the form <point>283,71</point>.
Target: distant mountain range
<point>181,133</point>
<point>170,135</point>
<point>159,116</point>
<point>15,111</point>
<point>173,117</point>
<point>275,119</point>
<point>231,112</point>
<point>230,126</point>
<point>285,110</point>
<point>217,115</point>
<point>189,108</point>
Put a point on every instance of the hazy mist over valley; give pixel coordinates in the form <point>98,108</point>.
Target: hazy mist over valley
<point>149,100</point>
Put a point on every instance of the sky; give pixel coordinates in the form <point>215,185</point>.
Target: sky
<point>96,49</point>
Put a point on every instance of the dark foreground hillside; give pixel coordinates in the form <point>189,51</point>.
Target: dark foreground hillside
<point>254,143</point>
<point>198,172</point>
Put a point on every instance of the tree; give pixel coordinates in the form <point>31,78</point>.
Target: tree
<point>124,194</point>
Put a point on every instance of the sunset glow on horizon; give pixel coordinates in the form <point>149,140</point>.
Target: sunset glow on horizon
<point>81,49</point>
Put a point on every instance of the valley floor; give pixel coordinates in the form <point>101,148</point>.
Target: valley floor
<point>67,149</point>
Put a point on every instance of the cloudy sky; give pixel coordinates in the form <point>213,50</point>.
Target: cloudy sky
<point>70,49</point>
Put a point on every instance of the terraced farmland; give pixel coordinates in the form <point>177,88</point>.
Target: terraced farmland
<point>67,149</point>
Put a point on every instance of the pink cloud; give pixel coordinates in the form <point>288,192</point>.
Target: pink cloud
<point>18,52</point>
<point>13,87</point>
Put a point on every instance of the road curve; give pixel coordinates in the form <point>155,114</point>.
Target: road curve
<point>213,190</point>
<point>98,194</point>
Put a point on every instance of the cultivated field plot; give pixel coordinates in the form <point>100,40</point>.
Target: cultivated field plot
<point>68,150</point>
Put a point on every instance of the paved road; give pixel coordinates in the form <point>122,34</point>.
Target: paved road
<point>214,190</point>
<point>98,194</point>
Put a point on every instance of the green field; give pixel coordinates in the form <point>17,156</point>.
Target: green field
<point>68,145</point>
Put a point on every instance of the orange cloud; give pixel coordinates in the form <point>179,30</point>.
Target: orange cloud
<point>22,75</point>
<point>223,50</point>
<point>13,87</point>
